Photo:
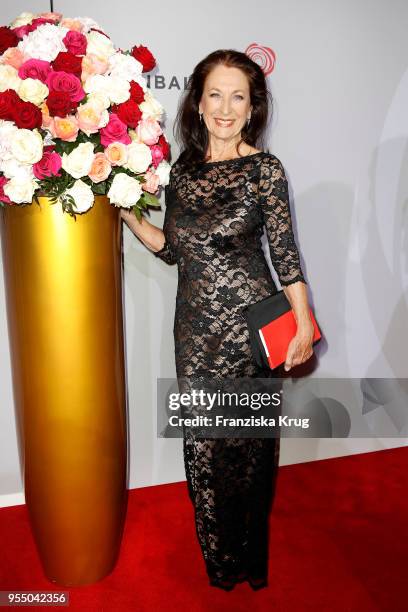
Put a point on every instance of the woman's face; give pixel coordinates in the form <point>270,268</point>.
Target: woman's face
<point>225,102</point>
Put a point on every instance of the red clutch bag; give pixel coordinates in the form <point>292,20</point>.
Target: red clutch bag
<point>272,325</point>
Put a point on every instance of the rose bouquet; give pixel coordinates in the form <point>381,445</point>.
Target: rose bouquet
<point>76,117</point>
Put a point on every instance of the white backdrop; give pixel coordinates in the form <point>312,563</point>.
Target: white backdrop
<point>340,86</point>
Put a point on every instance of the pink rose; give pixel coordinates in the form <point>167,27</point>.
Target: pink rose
<point>148,131</point>
<point>92,64</point>
<point>152,182</point>
<point>22,31</point>
<point>72,24</point>
<point>13,57</point>
<point>116,153</point>
<point>35,69</point>
<point>101,168</point>
<point>47,120</point>
<point>53,17</point>
<point>30,27</point>
<point>157,155</point>
<point>65,128</point>
<point>91,117</point>
<point>114,131</point>
<point>40,21</point>
<point>75,42</point>
<point>67,83</point>
<point>3,197</point>
<point>49,165</point>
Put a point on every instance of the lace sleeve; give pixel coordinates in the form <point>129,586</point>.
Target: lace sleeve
<point>167,252</point>
<point>274,201</point>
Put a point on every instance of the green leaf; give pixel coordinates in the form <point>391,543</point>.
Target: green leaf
<point>68,205</point>
<point>150,199</point>
<point>137,212</point>
<point>99,188</point>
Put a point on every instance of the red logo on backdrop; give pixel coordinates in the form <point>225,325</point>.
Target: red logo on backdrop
<point>264,56</point>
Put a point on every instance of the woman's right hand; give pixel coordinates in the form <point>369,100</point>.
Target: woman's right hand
<point>151,236</point>
<point>127,214</point>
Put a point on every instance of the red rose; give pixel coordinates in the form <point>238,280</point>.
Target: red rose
<point>75,42</point>
<point>128,112</point>
<point>8,101</point>
<point>27,115</point>
<point>164,145</point>
<point>67,62</point>
<point>143,55</point>
<point>7,39</point>
<point>136,92</point>
<point>59,104</point>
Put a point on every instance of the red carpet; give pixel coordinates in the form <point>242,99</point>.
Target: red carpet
<point>339,542</point>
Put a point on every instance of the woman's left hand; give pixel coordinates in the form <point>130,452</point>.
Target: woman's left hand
<point>300,347</point>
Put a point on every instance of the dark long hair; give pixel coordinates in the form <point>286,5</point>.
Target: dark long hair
<point>192,134</point>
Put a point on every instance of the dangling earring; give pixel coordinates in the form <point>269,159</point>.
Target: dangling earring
<point>201,117</point>
<point>249,119</point>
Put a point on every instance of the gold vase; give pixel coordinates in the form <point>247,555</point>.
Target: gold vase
<point>63,281</point>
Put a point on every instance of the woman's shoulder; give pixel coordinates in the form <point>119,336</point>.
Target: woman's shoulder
<point>271,163</point>
<point>175,167</point>
<point>263,158</point>
<point>177,164</point>
<point>270,158</point>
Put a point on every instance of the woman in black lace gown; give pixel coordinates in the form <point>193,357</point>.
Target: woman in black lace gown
<point>216,210</point>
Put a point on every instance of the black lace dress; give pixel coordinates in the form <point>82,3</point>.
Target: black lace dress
<point>213,224</point>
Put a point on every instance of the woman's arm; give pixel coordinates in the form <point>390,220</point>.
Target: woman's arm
<point>151,236</point>
<point>300,347</point>
<point>274,198</point>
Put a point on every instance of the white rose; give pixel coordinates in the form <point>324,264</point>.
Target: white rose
<point>7,131</point>
<point>139,157</point>
<point>99,99</point>
<point>150,107</point>
<point>83,196</point>
<point>125,66</point>
<point>78,163</point>
<point>44,43</point>
<point>22,20</point>
<point>163,172</point>
<point>20,190</point>
<point>27,146</point>
<point>133,135</point>
<point>33,90</point>
<point>125,190</point>
<point>119,89</point>
<point>9,78</point>
<point>11,169</point>
<point>99,44</point>
<point>116,89</point>
<point>91,117</point>
<point>97,85</point>
<point>88,23</point>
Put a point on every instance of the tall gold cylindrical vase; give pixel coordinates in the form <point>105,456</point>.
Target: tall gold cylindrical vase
<point>63,281</point>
